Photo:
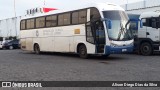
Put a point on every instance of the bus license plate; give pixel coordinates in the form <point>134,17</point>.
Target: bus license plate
<point>124,50</point>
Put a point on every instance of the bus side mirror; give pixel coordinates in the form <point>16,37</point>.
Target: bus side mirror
<point>109,24</point>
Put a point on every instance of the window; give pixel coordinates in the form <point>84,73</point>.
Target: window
<point>30,24</point>
<point>40,22</point>
<point>75,18</point>
<point>144,21</point>
<point>23,24</point>
<point>153,22</point>
<point>66,19</point>
<point>51,21</point>
<point>95,15</point>
<point>158,22</point>
<point>89,33</point>
<point>82,16</point>
<point>147,22</point>
<point>60,19</point>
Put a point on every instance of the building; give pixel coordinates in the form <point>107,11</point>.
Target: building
<point>142,6</point>
<point>10,27</point>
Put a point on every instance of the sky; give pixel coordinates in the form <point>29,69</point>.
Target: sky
<point>7,6</point>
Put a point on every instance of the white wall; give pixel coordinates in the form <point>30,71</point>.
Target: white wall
<point>142,6</point>
<point>139,11</point>
<point>10,27</point>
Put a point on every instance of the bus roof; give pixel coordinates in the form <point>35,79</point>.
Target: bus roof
<point>99,6</point>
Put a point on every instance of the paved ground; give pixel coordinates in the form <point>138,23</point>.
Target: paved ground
<point>17,65</point>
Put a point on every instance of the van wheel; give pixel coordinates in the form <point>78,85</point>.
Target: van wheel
<point>83,52</point>
<point>36,49</point>
<point>146,49</point>
<point>10,47</point>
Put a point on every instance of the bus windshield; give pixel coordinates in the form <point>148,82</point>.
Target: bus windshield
<point>119,31</point>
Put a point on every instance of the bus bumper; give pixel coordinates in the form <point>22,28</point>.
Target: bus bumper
<point>119,49</point>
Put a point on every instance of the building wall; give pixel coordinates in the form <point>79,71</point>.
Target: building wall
<point>142,6</point>
<point>10,27</point>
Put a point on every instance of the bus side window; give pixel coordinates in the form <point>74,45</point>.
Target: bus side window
<point>66,18</point>
<point>60,19</point>
<point>82,16</point>
<point>51,21</point>
<point>95,15</point>
<point>23,25</point>
<point>40,22</point>
<point>89,33</point>
<point>75,18</point>
<point>30,24</point>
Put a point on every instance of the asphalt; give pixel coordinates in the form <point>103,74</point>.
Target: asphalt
<point>17,65</point>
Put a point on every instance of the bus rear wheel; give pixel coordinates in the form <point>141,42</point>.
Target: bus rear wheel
<point>83,51</point>
<point>36,49</point>
<point>146,49</point>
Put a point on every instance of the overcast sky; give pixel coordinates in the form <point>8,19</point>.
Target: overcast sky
<point>7,6</point>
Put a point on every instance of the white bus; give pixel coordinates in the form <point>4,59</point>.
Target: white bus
<point>100,29</point>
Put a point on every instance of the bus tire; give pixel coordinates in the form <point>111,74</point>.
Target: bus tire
<point>36,49</point>
<point>146,49</point>
<point>82,51</point>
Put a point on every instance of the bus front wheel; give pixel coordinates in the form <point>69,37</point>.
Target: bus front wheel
<point>146,49</point>
<point>83,51</point>
<point>36,49</point>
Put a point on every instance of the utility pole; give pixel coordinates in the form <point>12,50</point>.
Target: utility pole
<point>126,4</point>
<point>144,3</point>
<point>14,8</point>
<point>15,17</point>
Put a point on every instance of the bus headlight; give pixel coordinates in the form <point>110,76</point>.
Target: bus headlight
<point>125,44</point>
<point>114,45</point>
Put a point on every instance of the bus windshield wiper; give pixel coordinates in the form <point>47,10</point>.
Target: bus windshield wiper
<point>121,31</point>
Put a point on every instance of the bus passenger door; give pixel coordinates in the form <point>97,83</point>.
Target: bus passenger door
<point>95,34</point>
<point>99,36</point>
<point>97,30</point>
